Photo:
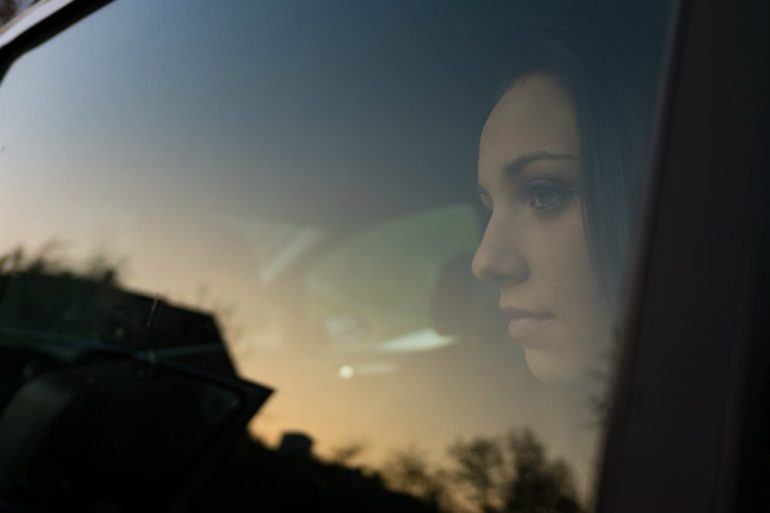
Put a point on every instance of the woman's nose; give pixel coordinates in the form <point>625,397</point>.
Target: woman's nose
<point>499,257</point>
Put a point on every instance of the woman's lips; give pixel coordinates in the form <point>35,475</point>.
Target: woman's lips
<point>525,323</point>
<point>522,329</point>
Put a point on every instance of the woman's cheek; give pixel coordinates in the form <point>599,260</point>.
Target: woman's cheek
<point>561,258</point>
<point>572,293</point>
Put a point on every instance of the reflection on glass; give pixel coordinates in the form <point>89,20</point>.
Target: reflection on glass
<point>306,175</point>
<point>560,166</point>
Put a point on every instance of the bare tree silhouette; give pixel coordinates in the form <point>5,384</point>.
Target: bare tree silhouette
<point>408,471</point>
<point>508,474</point>
<point>539,485</point>
<point>346,454</point>
<point>481,472</point>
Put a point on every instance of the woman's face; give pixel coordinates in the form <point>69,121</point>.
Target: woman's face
<point>534,245</point>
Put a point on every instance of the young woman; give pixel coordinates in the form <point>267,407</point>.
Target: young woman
<point>561,168</point>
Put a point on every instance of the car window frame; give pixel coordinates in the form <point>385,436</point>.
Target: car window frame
<point>40,23</point>
<point>681,425</point>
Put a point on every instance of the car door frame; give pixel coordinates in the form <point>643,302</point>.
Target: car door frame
<point>685,429</point>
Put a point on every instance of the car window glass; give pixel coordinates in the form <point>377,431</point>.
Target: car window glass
<point>412,220</point>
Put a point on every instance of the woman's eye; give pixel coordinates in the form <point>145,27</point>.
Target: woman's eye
<point>547,196</point>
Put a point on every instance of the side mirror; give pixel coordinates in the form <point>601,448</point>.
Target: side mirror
<point>118,435</point>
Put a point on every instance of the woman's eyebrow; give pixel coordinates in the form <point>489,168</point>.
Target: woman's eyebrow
<point>519,164</point>
<point>516,166</point>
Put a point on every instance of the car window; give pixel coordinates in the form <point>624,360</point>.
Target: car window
<point>413,221</point>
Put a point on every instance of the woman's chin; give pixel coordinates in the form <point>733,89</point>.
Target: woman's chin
<point>553,369</point>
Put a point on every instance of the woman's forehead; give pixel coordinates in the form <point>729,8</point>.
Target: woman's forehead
<point>533,116</point>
